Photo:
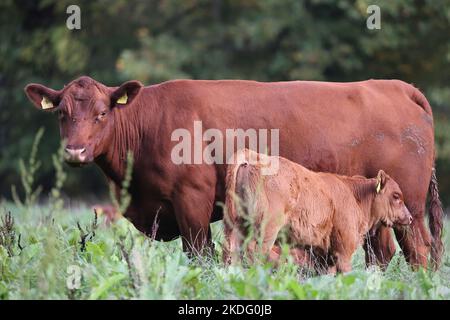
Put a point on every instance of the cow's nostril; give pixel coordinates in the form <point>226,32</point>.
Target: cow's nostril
<point>83,150</point>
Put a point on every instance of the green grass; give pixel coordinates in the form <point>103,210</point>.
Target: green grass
<point>120,263</point>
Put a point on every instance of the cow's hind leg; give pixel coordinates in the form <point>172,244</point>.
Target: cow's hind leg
<point>415,242</point>
<point>379,248</point>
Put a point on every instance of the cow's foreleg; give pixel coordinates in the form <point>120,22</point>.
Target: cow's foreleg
<point>379,248</point>
<point>193,213</point>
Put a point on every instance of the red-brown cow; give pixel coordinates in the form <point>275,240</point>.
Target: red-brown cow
<point>346,128</point>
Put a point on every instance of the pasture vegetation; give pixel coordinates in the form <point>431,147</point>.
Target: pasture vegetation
<point>118,262</point>
<point>52,251</point>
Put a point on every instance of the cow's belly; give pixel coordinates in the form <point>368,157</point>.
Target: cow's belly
<point>154,218</point>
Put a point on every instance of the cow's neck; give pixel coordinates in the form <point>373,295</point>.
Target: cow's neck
<point>134,126</point>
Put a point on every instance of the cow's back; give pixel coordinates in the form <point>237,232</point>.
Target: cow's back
<point>346,128</point>
<point>335,127</point>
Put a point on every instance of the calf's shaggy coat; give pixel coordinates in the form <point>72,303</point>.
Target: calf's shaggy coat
<point>326,212</point>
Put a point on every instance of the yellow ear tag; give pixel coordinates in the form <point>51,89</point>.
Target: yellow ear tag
<point>123,99</point>
<point>46,104</point>
<point>378,187</point>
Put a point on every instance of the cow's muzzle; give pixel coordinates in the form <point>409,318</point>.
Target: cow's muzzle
<point>75,155</point>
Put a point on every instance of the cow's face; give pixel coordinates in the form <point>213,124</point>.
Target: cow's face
<point>388,203</point>
<point>85,110</point>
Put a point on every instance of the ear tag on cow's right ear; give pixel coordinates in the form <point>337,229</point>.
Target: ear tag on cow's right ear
<point>46,103</point>
<point>378,186</point>
<point>123,99</point>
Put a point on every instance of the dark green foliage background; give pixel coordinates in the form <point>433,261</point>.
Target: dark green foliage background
<point>265,40</point>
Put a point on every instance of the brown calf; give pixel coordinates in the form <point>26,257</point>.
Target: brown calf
<point>326,212</point>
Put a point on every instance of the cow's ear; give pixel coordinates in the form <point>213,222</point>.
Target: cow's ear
<point>42,97</point>
<point>125,94</point>
<point>381,181</point>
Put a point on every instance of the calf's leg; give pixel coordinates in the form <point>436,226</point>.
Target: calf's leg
<point>267,229</point>
<point>302,256</point>
<point>232,248</point>
<point>343,263</point>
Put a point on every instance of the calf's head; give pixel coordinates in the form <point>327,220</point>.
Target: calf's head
<point>85,110</point>
<point>388,205</point>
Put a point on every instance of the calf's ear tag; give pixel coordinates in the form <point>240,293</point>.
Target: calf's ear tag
<point>123,99</point>
<point>46,103</point>
<point>378,186</point>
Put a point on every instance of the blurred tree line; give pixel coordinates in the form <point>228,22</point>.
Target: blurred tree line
<point>265,40</point>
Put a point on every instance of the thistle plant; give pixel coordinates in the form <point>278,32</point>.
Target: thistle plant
<point>55,199</point>
<point>27,174</point>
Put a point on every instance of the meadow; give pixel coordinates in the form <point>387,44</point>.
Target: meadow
<point>66,254</point>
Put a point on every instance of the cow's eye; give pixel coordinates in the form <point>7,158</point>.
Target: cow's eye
<point>100,116</point>
<point>396,196</point>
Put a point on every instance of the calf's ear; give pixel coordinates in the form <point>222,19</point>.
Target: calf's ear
<point>125,94</point>
<point>42,97</point>
<point>381,181</point>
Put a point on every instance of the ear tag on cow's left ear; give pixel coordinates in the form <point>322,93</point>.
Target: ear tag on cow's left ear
<point>46,103</point>
<point>378,186</point>
<point>123,99</point>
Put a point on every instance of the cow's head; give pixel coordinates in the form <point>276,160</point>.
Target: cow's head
<point>85,110</point>
<point>388,204</point>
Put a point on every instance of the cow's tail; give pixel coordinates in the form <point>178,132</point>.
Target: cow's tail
<point>436,214</point>
<point>435,210</point>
